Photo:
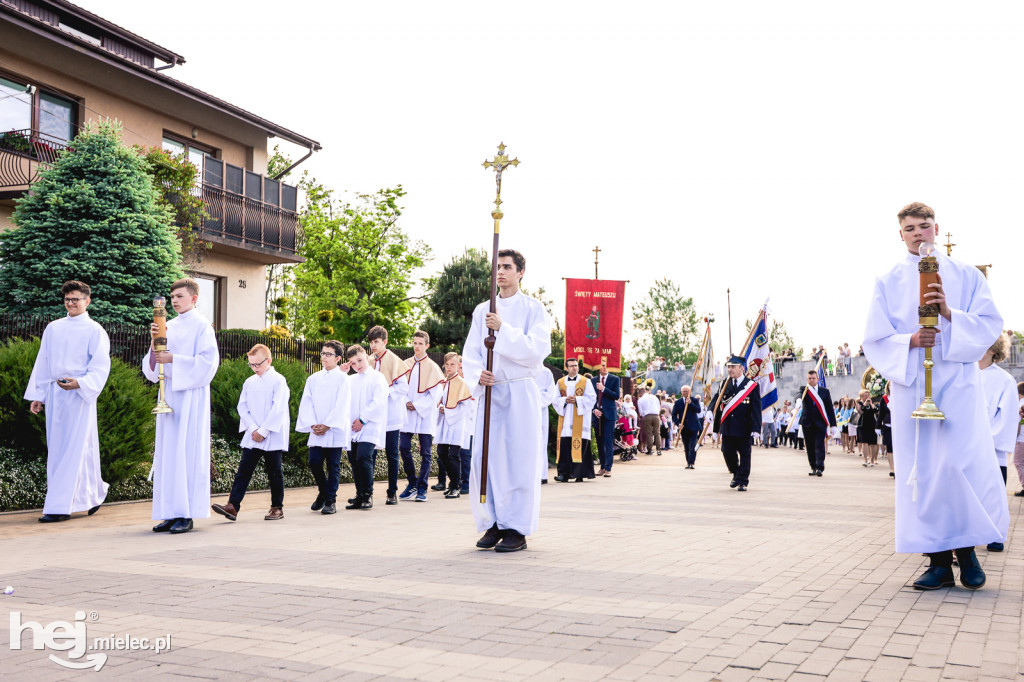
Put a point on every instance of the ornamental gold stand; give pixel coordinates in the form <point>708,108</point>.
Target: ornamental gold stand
<point>160,345</point>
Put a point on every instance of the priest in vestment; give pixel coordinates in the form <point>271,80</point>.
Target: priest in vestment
<point>949,493</point>
<point>522,341</point>
<point>181,462</point>
<point>69,373</point>
<point>574,402</point>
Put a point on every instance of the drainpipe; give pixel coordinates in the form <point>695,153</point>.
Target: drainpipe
<point>289,169</point>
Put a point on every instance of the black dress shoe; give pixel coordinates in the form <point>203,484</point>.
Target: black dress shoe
<point>318,504</point>
<point>734,483</point>
<point>742,488</point>
<point>561,479</point>
<point>543,481</point>
<point>1019,493</point>
<point>95,509</point>
<point>392,499</point>
<point>164,526</point>
<point>54,518</point>
<point>995,547</point>
<point>814,472</point>
<point>934,578</point>
<point>511,541</point>
<point>818,473</point>
<point>438,486</point>
<point>971,575</point>
<point>181,526</point>
<point>489,539</point>
<point>354,503</point>
<point>329,509</point>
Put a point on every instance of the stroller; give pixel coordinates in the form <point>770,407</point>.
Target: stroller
<point>621,447</point>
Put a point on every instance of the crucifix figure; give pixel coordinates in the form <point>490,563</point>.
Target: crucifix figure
<point>596,251</point>
<point>499,164</point>
<point>949,244</point>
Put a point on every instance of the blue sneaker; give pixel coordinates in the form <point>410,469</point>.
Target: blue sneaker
<point>408,493</point>
<point>421,496</point>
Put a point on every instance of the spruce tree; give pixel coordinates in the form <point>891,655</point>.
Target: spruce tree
<point>93,216</point>
<point>462,285</point>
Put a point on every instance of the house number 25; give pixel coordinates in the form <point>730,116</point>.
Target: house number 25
<point>241,284</point>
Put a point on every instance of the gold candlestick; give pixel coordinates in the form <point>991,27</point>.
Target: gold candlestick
<point>160,345</point>
<point>928,318</point>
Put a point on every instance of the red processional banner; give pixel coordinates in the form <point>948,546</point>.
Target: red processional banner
<point>593,322</point>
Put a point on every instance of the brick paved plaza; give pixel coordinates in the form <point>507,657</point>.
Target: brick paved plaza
<point>655,574</point>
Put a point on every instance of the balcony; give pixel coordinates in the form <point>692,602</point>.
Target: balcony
<point>249,211</point>
<point>22,154</point>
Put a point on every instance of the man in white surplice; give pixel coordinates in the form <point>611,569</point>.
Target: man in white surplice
<point>69,373</point>
<point>181,462</point>
<point>949,493</point>
<point>522,341</point>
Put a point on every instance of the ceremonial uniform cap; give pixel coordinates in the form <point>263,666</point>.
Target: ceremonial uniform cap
<point>736,360</point>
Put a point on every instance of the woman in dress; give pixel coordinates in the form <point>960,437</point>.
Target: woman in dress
<point>866,429</point>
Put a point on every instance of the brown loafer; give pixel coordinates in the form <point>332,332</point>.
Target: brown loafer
<point>601,472</point>
<point>274,514</point>
<point>228,510</point>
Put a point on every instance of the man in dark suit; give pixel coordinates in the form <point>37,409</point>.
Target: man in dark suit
<point>607,387</point>
<point>817,416</point>
<point>689,428</point>
<point>737,418</point>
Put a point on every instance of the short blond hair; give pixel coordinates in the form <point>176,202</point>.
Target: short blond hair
<point>917,210</point>
<point>259,348</point>
<point>449,356</point>
<point>1001,348</point>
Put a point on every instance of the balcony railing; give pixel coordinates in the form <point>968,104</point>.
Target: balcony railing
<point>23,153</point>
<point>249,208</point>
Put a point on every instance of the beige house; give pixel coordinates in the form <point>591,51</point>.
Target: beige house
<point>62,67</point>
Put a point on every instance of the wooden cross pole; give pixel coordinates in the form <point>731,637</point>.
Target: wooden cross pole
<point>499,163</point>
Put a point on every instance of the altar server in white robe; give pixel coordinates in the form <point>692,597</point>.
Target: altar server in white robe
<point>949,494</point>
<point>1002,403</point>
<point>453,409</point>
<point>425,381</point>
<point>325,414</point>
<point>522,341</point>
<point>396,373</point>
<point>181,463</point>
<point>548,393</point>
<point>69,373</point>
<point>369,404</point>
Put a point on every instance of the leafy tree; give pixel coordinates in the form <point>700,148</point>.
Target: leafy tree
<point>93,216</point>
<point>667,323</point>
<point>358,266</point>
<point>557,333</point>
<point>460,287</point>
<point>778,337</point>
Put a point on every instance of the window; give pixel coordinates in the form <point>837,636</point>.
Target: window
<point>26,107</point>
<point>196,154</point>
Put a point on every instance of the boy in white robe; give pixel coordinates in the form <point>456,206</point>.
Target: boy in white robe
<point>70,371</point>
<point>949,494</point>
<point>467,442</point>
<point>425,380</point>
<point>369,405</point>
<point>548,394</point>
<point>1000,390</point>
<point>265,422</point>
<point>181,461</point>
<point>325,414</point>
<point>396,373</point>
<point>453,418</point>
<point>522,341</point>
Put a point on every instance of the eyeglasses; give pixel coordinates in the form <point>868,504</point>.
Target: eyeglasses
<point>257,365</point>
<point>73,300</point>
<point>325,354</point>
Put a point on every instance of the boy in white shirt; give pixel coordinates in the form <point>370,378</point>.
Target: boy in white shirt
<point>369,397</point>
<point>265,422</point>
<point>325,415</point>
<point>425,379</point>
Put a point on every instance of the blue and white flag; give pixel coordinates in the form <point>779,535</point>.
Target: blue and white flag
<point>760,367</point>
<point>821,377</point>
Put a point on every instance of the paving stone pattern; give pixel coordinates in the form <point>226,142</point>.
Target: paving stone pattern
<point>657,573</point>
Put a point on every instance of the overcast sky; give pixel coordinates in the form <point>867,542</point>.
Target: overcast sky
<point>761,147</point>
